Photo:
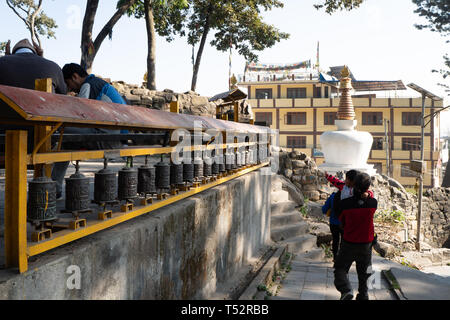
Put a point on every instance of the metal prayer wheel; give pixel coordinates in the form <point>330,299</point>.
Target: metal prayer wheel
<point>238,159</point>
<point>234,160</point>
<point>128,181</point>
<point>221,161</point>
<point>198,168</point>
<point>207,167</point>
<point>105,185</point>
<point>215,166</point>
<point>41,199</point>
<point>77,191</point>
<point>188,172</point>
<point>176,174</point>
<point>146,179</point>
<point>229,161</point>
<point>162,177</point>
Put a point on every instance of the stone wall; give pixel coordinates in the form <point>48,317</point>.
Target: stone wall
<point>188,250</point>
<point>190,102</point>
<point>391,195</point>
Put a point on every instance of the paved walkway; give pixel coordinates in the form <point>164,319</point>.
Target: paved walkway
<point>312,280</point>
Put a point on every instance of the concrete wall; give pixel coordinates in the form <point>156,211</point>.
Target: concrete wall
<point>182,251</point>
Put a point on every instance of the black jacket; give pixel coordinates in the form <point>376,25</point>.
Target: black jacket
<point>22,69</point>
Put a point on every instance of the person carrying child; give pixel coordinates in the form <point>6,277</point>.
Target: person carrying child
<point>357,220</point>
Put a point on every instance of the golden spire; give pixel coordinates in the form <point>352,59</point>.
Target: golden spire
<point>346,110</point>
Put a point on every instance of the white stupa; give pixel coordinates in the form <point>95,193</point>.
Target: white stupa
<point>346,148</point>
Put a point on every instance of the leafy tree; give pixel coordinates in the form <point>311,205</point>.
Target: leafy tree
<point>332,6</point>
<point>162,17</point>
<point>90,48</point>
<point>36,21</point>
<point>238,24</point>
<point>2,48</point>
<point>437,14</point>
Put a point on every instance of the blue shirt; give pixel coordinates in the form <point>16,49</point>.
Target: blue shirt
<point>329,204</point>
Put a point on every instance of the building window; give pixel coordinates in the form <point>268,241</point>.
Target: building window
<point>296,93</point>
<point>296,142</point>
<point>406,171</point>
<point>329,117</point>
<point>372,118</point>
<point>410,143</point>
<point>263,93</point>
<point>295,118</point>
<point>317,92</point>
<point>326,92</point>
<point>377,144</point>
<point>377,166</point>
<point>411,118</point>
<point>263,117</point>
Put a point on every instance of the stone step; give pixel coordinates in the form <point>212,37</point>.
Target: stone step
<point>276,185</point>
<point>282,207</point>
<point>316,254</point>
<point>301,244</point>
<point>290,231</point>
<point>279,196</point>
<point>287,218</point>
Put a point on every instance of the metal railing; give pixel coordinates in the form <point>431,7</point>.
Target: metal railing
<point>210,134</point>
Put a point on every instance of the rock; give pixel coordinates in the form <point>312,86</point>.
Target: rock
<point>386,250</point>
<point>296,179</point>
<point>314,209</point>
<point>294,154</point>
<point>302,156</point>
<point>288,173</point>
<point>298,164</point>
<point>298,172</point>
<point>198,101</point>
<point>140,91</point>
<point>312,195</point>
<point>308,179</point>
<point>133,99</point>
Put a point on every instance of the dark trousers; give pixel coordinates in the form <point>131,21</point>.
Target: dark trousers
<point>336,232</point>
<point>361,253</point>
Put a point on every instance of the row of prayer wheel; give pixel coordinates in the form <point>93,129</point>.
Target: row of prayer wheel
<point>130,182</point>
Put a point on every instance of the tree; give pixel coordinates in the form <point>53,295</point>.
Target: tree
<point>332,6</point>
<point>238,24</point>
<point>2,48</point>
<point>90,48</point>
<point>437,14</point>
<point>164,18</point>
<point>36,21</point>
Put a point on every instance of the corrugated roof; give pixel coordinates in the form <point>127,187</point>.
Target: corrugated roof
<point>232,95</point>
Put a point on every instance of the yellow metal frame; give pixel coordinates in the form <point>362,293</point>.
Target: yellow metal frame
<point>17,248</point>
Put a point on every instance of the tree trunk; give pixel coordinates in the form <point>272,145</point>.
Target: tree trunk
<point>86,35</point>
<point>199,55</point>
<point>89,49</point>
<point>151,40</point>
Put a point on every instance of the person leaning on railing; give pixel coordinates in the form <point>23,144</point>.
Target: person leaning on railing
<point>89,87</point>
<point>21,67</point>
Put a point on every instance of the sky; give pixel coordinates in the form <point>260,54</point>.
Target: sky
<point>378,41</point>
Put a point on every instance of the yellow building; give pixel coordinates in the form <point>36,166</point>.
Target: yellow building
<point>303,105</point>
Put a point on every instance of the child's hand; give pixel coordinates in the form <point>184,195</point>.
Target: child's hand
<point>365,195</point>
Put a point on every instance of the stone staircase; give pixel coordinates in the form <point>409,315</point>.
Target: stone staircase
<point>288,228</point>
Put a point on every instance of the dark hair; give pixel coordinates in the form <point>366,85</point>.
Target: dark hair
<point>362,184</point>
<point>71,68</point>
<point>351,175</point>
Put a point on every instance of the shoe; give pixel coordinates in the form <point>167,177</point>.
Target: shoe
<point>59,196</point>
<point>346,296</point>
<point>362,297</point>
